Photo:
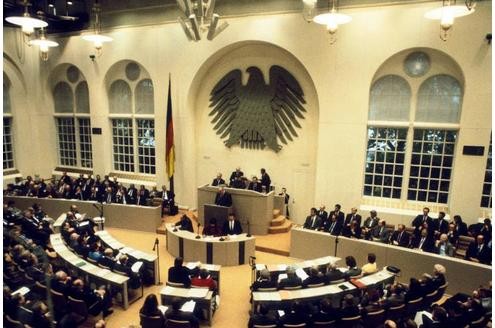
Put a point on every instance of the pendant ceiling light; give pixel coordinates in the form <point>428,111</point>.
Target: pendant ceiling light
<point>332,20</point>
<point>447,13</point>
<point>97,38</point>
<point>44,44</point>
<point>27,23</point>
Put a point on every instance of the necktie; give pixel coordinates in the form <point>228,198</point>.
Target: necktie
<point>421,243</point>
<point>313,222</point>
<point>479,248</point>
<point>369,224</point>
<point>109,198</point>
<point>400,236</point>
<point>331,228</point>
<point>424,219</point>
<point>231,225</point>
<point>381,231</point>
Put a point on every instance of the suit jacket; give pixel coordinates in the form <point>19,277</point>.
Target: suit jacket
<point>263,284</point>
<point>428,244</point>
<point>235,174</point>
<point>237,230</point>
<point>353,272</point>
<point>335,229</point>
<point>132,194</point>
<point>449,249</point>
<point>223,200</point>
<point>185,224</point>
<point>441,226</point>
<point>313,280</point>
<point>418,223</point>
<point>461,229</point>
<point>401,239</point>
<point>106,261</point>
<point>356,233</point>
<point>348,219</point>
<point>182,316</point>
<point>380,234</point>
<point>334,275</point>
<point>108,197</point>
<point>484,256</point>
<point>323,215</point>
<point>179,275</point>
<point>142,196</point>
<point>217,182</point>
<point>261,320</point>
<point>266,181</point>
<point>290,282</point>
<point>315,226</point>
<point>255,187</point>
<point>373,221</point>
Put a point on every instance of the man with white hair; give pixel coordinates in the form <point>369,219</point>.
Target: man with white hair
<point>443,246</point>
<point>438,278</point>
<point>292,279</point>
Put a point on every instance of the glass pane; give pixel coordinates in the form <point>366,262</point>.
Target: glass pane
<point>145,97</point>
<point>439,100</point>
<point>390,99</point>
<point>120,97</point>
<point>63,98</point>
<point>82,97</point>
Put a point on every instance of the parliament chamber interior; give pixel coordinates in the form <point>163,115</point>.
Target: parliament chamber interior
<point>265,163</point>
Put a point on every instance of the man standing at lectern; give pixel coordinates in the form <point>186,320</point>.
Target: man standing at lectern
<point>223,198</point>
<point>232,226</point>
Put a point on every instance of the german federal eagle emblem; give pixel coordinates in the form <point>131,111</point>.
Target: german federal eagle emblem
<point>257,115</point>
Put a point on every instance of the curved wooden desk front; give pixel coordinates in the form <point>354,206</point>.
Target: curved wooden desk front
<point>211,250</point>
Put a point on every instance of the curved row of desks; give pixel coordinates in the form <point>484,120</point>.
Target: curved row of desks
<point>90,271</point>
<point>463,276</point>
<point>132,217</point>
<point>234,251</point>
<point>280,299</point>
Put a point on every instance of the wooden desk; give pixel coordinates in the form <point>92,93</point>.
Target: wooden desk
<point>213,269</point>
<point>89,270</point>
<point>210,250</point>
<point>133,217</point>
<point>249,205</point>
<point>463,276</point>
<point>276,269</point>
<point>282,299</point>
<point>202,296</point>
<point>149,260</point>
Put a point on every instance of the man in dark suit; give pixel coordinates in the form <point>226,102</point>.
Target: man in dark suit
<point>174,313</point>
<point>142,196</point>
<point>420,220</point>
<point>109,196</point>
<point>322,213</point>
<point>380,232</point>
<point>218,181</point>
<point>179,273</point>
<point>61,282</point>
<point>223,198</point>
<point>287,197</point>
<point>107,259</point>
<point>335,222</point>
<point>185,223</point>
<point>292,279</point>
<point>440,225</point>
<point>255,185</point>
<point>96,300</point>
<point>168,201</point>
<point>262,318</point>
<point>478,251</point>
<point>94,195</point>
<point>265,180</point>
<point>333,273</point>
<point>425,242</point>
<point>313,221</point>
<point>132,194</point>
<point>400,237</point>
<point>460,226</point>
<point>236,174</point>
<point>369,224</point>
<point>232,226</point>
<point>351,217</point>
<point>264,281</point>
<point>314,278</point>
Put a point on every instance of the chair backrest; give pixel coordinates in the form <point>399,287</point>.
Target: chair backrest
<point>265,326</point>
<point>324,324</point>
<point>350,321</point>
<point>122,273</point>
<point>151,322</point>
<point>11,323</point>
<point>270,289</point>
<point>292,287</point>
<point>78,306</point>
<point>175,284</point>
<point>28,278</point>
<point>337,281</point>
<point>429,299</point>
<point>414,306</point>
<point>478,323</point>
<point>374,319</point>
<point>39,288</point>
<point>103,266</point>
<point>396,312</point>
<point>299,325</point>
<point>59,302</point>
<point>356,277</point>
<point>316,285</point>
<point>441,291</point>
<point>177,324</point>
<point>90,260</point>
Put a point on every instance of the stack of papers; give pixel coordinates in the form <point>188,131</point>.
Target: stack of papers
<point>137,266</point>
<point>301,274</point>
<point>260,267</point>
<point>188,306</point>
<point>192,265</point>
<point>22,291</point>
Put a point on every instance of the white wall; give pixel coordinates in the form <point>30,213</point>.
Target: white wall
<point>326,163</point>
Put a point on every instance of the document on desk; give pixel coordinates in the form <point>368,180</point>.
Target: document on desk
<point>268,296</point>
<point>260,267</point>
<point>188,306</point>
<point>301,274</point>
<point>162,308</point>
<point>282,276</point>
<point>198,292</point>
<point>136,266</point>
<point>192,265</point>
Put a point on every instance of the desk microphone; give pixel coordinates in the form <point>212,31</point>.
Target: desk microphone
<point>156,243</point>
<point>249,230</point>
<point>198,236</point>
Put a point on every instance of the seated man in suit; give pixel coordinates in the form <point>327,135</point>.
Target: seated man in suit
<point>395,296</point>
<point>424,242</point>
<point>264,281</point>
<point>132,194</point>
<point>223,198</point>
<point>179,273</point>
<point>98,300</point>
<point>334,224</point>
<point>107,259</point>
<point>232,226</point>
<point>168,201</point>
<point>353,231</point>
<point>352,269</point>
<point>297,315</point>
<point>174,313</point>
<point>315,278</point>
<point>349,307</point>
<point>185,223</point>
<point>443,246</point>
<point>322,213</point>
<point>478,251</point>
<point>142,196</point>
<point>236,174</point>
<point>327,312</point>
<point>218,181</point>
<point>262,318</point>
<point>380,232</point>
<point>369,224</point>
<point>440,225</point>
<point>333,273</point>
<point>255,185</point>
<point>400,237</point>
<point>313,221</point>
<point>351,217</point>
<point>292,279</point>
<point>439,318</point>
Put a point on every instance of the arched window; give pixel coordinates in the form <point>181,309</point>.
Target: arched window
<point>133,125</point>
<point>71,102</point>
<point>400,127</point>
<point>486,198</point>
<point>390,99</point>
<point>8,145</point>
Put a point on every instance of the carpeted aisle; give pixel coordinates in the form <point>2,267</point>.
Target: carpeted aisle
<point>235,281</point>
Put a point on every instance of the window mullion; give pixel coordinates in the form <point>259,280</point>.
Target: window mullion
<point>135,144</point>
